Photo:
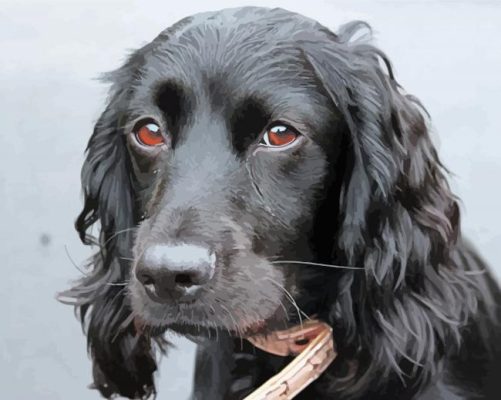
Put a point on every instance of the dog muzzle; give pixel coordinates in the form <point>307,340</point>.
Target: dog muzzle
<point>313,345</point>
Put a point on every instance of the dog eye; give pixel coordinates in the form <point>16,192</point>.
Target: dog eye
<point>149,134</point>
<point>279,136</point>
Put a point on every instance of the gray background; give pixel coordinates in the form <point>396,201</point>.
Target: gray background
<point>448,53</point>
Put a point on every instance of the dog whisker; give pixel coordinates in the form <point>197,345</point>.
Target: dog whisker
<point>224,323</point>
<point>315,264</point>
<point>119,293</point>
<point>237,328</point>
<point>118,233</point>
<point>117,283</point>
<point>284,318</point>
<point>291,299</point>
<point>215,314</point>
<point>73,261</point>
<point>283,307</point>
<point>126,322</point>
<point>479,272</point>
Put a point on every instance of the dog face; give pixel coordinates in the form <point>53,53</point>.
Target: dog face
<point>231,140</point>
<point>237,142</point>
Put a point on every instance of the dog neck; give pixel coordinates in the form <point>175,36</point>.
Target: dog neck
<point>313,345</point>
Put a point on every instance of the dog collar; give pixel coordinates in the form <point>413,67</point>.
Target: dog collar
<point>313,345</point>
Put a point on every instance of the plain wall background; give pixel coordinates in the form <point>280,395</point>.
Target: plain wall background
<point>447,53</point>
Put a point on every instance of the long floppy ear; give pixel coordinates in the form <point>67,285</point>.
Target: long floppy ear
<point>400,221</point>
<point>123,361</point>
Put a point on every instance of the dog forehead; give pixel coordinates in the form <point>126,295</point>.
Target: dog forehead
<point>248,17</point>
<point>238,39</point>
<point>224,58</point>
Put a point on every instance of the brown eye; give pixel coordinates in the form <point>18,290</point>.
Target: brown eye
<point>149,134</point>
<point>278,136</point>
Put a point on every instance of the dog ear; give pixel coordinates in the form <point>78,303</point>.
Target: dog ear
<point>123,361</point>
<point>400,221</point>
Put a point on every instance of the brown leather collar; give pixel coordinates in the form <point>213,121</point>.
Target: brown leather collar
<point>311,342</point>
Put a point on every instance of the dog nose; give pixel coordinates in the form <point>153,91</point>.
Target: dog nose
<point>175,272</point>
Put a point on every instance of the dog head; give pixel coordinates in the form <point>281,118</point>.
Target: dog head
<point>237,145</point>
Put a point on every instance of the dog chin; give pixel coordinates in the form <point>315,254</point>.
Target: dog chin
<point>186,320</point>
<point>181,322</point>
<point>200,333</point>
<point>197,320</point>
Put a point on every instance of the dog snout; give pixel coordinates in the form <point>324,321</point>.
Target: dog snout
<point>175,272</point>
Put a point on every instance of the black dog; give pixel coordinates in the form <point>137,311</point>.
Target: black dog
<point>239,141</point>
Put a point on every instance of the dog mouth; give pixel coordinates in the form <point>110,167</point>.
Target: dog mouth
<point>200,333</point>
<point>200,330</point>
